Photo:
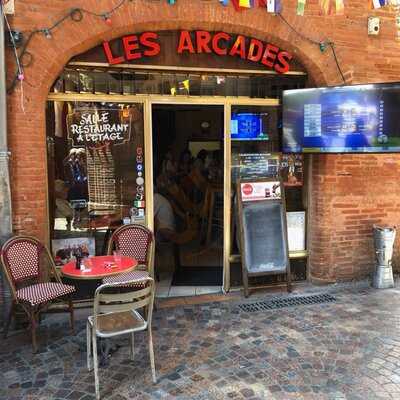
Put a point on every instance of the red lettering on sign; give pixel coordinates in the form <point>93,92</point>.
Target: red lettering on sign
<point>239,48</point>
<point>148,39</point>
<point>130,46</point>
<point>255,50</point>
<point>185,43</point>
<point>269,55</point>
<point>221,43</point>
<point>203,39</point>
<point>283,58</point>
<point>221,51</point>
<point>110,58</point>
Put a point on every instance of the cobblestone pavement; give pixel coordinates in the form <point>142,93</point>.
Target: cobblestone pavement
<point>349,349</point>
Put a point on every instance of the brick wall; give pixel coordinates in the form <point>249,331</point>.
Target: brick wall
<point>350,193</point>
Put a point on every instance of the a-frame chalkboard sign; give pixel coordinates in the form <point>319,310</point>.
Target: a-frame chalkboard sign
<point>262,229</point>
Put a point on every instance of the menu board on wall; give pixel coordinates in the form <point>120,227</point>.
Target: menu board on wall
<point>258,165</point>
<point>292,169</point>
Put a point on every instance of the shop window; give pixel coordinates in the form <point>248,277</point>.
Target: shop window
<point>173,83</point>
<point>96,171</point>
<point>255,152</point>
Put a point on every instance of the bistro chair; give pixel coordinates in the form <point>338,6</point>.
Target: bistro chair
<point>116,313</point>
<point>134,241</point>
<point>33,280</point>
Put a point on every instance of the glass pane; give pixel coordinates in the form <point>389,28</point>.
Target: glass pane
<point>254,150</point>
<point>96,169</point>
<point>86,82</point>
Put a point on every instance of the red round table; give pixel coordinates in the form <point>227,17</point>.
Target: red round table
<point>98,267</point>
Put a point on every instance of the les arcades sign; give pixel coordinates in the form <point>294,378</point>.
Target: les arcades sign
<point>136,47</point>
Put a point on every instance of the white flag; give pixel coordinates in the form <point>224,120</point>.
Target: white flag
<point>8,6</point>
<point>376,3</point>
<point>271,6</point>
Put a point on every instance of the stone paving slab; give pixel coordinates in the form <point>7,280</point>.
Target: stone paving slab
<point>347,350</point>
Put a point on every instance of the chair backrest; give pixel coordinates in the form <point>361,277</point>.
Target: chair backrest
<point>22,258</point>
<point>124,296</point>
<point>134,241</point>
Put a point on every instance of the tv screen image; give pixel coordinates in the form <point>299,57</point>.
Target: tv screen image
<point>354,119</point>
<point>248,126</point>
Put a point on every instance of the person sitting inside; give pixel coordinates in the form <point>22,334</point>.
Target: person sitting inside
<point>63,207</point>
<point>165,224</point>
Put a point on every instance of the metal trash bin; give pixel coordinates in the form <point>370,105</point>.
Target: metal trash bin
<point>383,241</point>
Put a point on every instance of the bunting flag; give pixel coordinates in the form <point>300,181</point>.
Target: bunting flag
<point>171,1</point>
<point>245,3</point>
<point>301,5</point>
<point>173,91</point>
<point>339,7</point>
<point>325,6</point>
<point>278,6</point>
<point>378,3</point>
<point>271,6</point>
<point>186,84</point>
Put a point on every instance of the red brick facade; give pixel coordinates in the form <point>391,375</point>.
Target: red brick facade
<point>349,192</point>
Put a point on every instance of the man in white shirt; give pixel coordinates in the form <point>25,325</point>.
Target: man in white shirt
<point>164,218</point>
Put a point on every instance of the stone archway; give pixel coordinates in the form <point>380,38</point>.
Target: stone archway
<point>26,115</point>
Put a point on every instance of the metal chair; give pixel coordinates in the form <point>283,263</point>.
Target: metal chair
<point>34,283</point>
<point>115,313</point>
<point>133,241</point>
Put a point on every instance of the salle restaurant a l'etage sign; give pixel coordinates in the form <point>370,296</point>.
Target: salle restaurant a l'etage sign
<point>148,44</point>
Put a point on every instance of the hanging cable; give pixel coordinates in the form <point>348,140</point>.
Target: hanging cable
<point>321,44</point>
<point>76,15</point>
<point>332,46</point>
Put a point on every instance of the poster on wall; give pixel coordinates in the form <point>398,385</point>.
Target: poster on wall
<point>63,248</point>
<point>292,169</point>
<point>253,191</point>
<point>93,127</point>
<point>296,226</point>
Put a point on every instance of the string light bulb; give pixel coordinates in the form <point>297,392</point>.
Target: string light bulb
<point>107,19</point>
<point>21,76</point>
<point>47,33</point>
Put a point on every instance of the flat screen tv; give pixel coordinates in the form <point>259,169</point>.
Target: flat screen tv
<point>248,126</point>
<point>345,119</point>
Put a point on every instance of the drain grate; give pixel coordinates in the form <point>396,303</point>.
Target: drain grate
<point>278,302</point>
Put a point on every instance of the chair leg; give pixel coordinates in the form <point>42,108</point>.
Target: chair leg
<point>71,313</point>
<point>89,346</point>
<point>132,346</point>
<point>33,331</point>
<point>152,363</point>
<point>9,319</point>
<point>95,364</point>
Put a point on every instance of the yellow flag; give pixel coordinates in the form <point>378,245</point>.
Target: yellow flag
<point>186,84</point>
<point>245,3</point>
<point>173,91</point>
<point>325,6</point>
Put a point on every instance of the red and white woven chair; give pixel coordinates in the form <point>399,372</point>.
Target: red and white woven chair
<point>134,241</point>
<point>33,280</point>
